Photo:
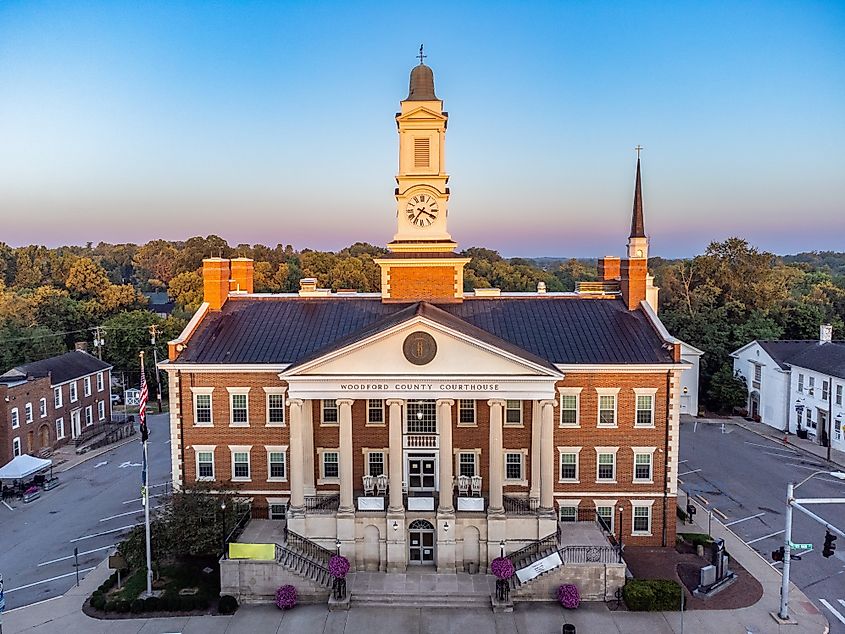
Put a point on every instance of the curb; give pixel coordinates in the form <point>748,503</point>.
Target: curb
<point>788,444</point>
<point>93,454</point>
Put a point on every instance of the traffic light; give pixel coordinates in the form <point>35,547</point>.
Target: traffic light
<point>777,555</point>
<point>829,545</point>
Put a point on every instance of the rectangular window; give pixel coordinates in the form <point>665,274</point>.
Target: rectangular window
<point>605,514</point>
<point>607,410</point>
<point>86,386</point>
<point>801,383</point>
<point>812,385</point>
<point>278,511</point>
<point>202,407</point>
<point>466,412</point>
<point>758,372</point>
<point>60,428</point>
<point>57,397</point>
<point>331,468</point>
<point>422,417</point>
<point>569,466</point>
<point>839,395</point>
<point>16,418</point>
<point>72,388</point>
<point>275,409</point>
<point>513,466</point>
<point>240,465</point>
<point>642,466</point>
<point>568,513</point>
<point>276,465</point>
<point>330,414</point>
<point>89,416</point>
<point>100,382</point>
<point>645,414</point>
<point>513,412</point>
<point>606,467</point>
<point>569,409</point>
<point>240,409</point>
<point>27,412</point>
<point>422,152</point>
<point>375,411</point>
<point>101,410</point>
<point>825,390</point>
<point>205,465</point>
<point>642,519</point>
<point>375,463</point>
<point>466,464</point>
<point>42,407</point>
<point>16,447</point>
<point>837,429</point>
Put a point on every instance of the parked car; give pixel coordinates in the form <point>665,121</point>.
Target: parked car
<point>115,398</point>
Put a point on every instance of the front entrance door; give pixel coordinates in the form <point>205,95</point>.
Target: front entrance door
<point>421,543</point>
<point>421,470</point>
<point>75,425</point>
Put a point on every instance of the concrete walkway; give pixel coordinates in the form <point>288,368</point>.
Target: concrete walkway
<point>810,447</point>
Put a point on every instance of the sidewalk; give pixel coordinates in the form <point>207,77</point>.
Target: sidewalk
<point>811,447</point>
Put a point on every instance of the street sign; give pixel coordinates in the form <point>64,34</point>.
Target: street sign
<point>800,546</point>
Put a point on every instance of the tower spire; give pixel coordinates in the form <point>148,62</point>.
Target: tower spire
<point>637,223</point>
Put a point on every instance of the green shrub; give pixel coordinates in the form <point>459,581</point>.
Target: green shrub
<point>652,595</point>
<point>696,539</point>
<point>187,603</point>
<point>123,606</point>
<point>137,606</point>
<point>110,606</point>
<point>98,601</point>
<point>152,604</point>
<point>227,604</point>
<point>201,602</point>
<point>165,603</point>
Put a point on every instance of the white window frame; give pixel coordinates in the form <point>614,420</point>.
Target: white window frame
<point>321,451</point>
<point>58,397</point>
<point>60,425</point>
<point>568,504</point>
<point>235,449</point>
<point>16,447</point>
<point>27,413</point>
<point>825,389</point>
<point>570,391</point>
<point>612,504</point>
<point>101,384</point>
<point>280,449</point>
<point>476,460</point>
<point>275,391</point>
<point>607,450</point>
<point>101,410</point>
<point>233,392</point>
<point>271,502</point>
<point>561,452</point>
<point>324,408</point>
<point>508,408</point>
<point>203,391</point>
<point>198,449</point>
<point>368,451</point>
<point>73,391</point>
<point>15,416</point>
<point>89,415</point>
<point>643,451</point>
<point>374,408</point>
<point>42,407</point>
<point>635,504</point>
<point>86,386</point>
<point>811,388</point>
<point>801,383</point>
<point>607,392</point>
<point>462,407</point>
<point>644,391</point>
<point>523,458</point>
<point>838,397</point>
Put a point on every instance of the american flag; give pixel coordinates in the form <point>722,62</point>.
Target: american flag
<point>142,407</point>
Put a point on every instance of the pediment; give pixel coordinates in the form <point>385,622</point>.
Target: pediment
<point>421,114</point>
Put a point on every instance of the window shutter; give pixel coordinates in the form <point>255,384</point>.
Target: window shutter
<point>422,152</point>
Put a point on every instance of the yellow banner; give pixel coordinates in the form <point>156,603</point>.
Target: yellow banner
<point>264,552</point>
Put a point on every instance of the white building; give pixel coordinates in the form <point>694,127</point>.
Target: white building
<point>689,379</point>
<point>795,385</point>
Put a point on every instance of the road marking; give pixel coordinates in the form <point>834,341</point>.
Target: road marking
<point>833,610</point>
<point>689,472</point>
<point>756,444</point>
<point>114,530</point>
<point>21,607</point>
<point>680,481</point>
<point>87,552</point>
<point>682,461</point>
<point>101,464</point>
<point>111,517</point>
<point>695,427</point>
<point>801,466</point>
<point>157,495</point>
<point>70,574</point>
<point>759,539</point>
<point>750,517</point>
<point>129,463</point>
<point>841,602</point>
<point>160,484</point>
<point>6,504</point>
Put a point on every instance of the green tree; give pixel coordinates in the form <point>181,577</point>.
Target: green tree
<point>86,279</point>
<point>726,391</point>
<point>186,290</point>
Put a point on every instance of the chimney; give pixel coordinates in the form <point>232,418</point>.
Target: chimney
<point>81,345</point>
<point>825,333</point>
<point>541,288</point>
<point>633,276</point>
<point>242,274</point>
<point>608,268</point>
<point>215,282</point>
<point>308,286</point>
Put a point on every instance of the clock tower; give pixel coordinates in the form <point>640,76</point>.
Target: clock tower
<point>422,264</point>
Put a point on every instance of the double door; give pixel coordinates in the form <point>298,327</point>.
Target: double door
<point>422,470</point>
<point>421,543</point>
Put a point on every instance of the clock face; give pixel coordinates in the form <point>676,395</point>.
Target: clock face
<point>422,210</point>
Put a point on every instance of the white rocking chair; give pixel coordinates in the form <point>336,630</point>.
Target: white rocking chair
<point>476,485</point>
<point>369,485</point>
<point>463,485</point>
<point>381,484</point>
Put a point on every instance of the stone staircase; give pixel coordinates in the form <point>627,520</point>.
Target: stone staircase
<point>305,558</point>
<point>414,589</point>
<point>535,551</point>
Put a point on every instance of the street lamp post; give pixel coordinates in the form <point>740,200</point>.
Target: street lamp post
<point>502,548</point>
<point>620,529</point>
<point>223,513</point>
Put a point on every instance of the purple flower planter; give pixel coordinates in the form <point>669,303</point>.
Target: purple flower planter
<point>568,596</point>
<point>286,597</point>
<point>502,568</point>
<point>338,566</point>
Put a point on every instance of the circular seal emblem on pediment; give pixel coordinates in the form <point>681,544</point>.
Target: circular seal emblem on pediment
<point>419,348</point>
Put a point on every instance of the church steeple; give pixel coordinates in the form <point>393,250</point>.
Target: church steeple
<point>637,240</point>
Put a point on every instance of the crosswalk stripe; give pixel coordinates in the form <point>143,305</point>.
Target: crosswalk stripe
<point>833,610</point>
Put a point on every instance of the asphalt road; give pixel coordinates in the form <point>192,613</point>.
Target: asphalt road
<point>744,476</point>
<point>96,504</point>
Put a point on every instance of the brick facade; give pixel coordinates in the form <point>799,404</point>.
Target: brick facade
<point>423,282</point>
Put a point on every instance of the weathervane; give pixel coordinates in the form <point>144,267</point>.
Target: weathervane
<point>638,149</point>
<point>421,56</point>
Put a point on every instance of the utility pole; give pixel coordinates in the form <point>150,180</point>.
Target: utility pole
<point>153,333</point>
<point>99,341</point>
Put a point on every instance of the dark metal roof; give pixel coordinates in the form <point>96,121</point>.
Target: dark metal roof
<point>285,330</point>
<point>637,222</point>
<point>826,358</point>
<point>422,84</point>
<point>65,367</point>
<point>782,350</point>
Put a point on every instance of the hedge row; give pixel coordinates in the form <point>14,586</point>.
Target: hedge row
<point>652,595</point>
<point>165,603</point>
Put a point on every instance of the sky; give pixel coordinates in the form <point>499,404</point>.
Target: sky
<point>273,122</point>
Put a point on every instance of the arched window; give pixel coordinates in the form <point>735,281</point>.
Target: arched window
<point>421,525</point>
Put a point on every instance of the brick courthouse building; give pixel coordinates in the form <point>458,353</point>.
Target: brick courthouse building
<point>426,424</point>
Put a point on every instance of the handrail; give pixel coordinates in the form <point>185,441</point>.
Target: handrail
<point>534,548</point>
<point>307,547</point>
<point>282,552</point>
<point>325,504</point>
<point>519,506</point>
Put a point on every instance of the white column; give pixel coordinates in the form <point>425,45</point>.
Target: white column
<point>395,459</point>
<point>444,424</point>
<point>346,503</point>
<point>308,447</point>
<point>297,494</point>
<point>497,408</point>
<point>536,419</point>
<point>547,456</point>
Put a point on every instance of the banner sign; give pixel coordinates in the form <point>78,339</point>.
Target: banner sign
<point>550,562</point>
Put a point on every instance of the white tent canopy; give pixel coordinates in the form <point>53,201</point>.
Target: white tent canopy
<point>24,466</point>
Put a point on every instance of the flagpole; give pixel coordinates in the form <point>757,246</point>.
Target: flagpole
<point>146,488</point>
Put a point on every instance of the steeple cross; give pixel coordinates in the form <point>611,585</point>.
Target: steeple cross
<point>638,149</point>
<point>421,56</point>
